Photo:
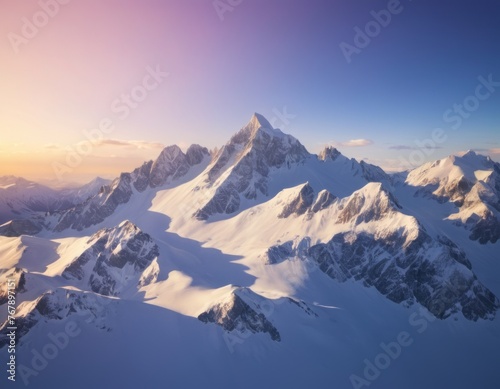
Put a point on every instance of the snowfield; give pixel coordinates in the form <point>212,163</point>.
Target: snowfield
<point>261,266</point>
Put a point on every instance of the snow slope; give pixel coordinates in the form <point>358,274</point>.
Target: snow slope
<point>323,264</point>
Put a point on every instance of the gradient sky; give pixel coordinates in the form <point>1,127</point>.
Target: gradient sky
<point>260,56</point>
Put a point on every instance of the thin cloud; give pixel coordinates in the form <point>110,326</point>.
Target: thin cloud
<point>52,146</point>
<point>390,165</point>
<point>483,151</point>
<point>138,144</point>
<point>494,151</point>
<point>401,147</point>
<point>406,147</point>
<point>354,143</point>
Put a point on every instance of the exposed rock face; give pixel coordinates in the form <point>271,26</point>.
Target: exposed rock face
<point>225,201</point>
<point>99,207</point>
<point>329,153</point>
<point>435,275</point>
<point>399,258</point>
<point>372,173</point>
<point>287,250</point>
<point>58,305</point>
<point>172,164</point>
<point>15,275</point>
<point>363,207</point>
<point>115,260</point>
<point>472,183</point>
<point>18,227</point>
<point>195,154</point>
<point>20,199</point>
<point>142,176</point>
<point>481,210</point>
<point>235,314</point>
<point>249,156</point>
<point>324,200</point>
<point>300,204</point>
<point>486,229</point>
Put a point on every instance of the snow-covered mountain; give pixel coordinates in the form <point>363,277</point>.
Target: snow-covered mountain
<point>20,198</point>
<point>171,165</point>
<point>242,167</point>
<point>262,258</point>
<point>384,248</point>
<point>115,260</point>
<point>80,194</point>
<point>472,183</point>
<point>254,162</point>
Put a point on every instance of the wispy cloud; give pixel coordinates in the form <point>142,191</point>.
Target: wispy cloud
<point>52,146</point>
<point>495,151</point>
<point>137,144</point>
<point>131,144</point>
<point>389,165</point>
<point>401,147</point>
<point>406,147</point>
<point>482,150</point>
<point>354,143</point>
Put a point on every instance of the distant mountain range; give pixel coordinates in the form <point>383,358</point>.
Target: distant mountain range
<point>261,249</point>
<point>20,198</point>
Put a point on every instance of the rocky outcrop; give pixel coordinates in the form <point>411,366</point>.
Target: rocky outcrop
<point>371,203</point>
<point>486,229</point>
<point>249,156</point>
<point>397,257</point>
<point>290,249</point>
<point>17,277</point>
<point>235,314</point>
<point>472,183</point>
<point>323,201</point>
<point>115,260</point>
<point>58,305</point>
<point>18,227</point>
<point>142,176</point>
<point>195,154</point>
<point>171,165</point>
<point>300,204</point>
<point>329,153</point>
<point>99,207</point>
<point>433,274</point>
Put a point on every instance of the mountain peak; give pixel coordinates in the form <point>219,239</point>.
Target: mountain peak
<point>469,153</point>
<point>471,160</point>
<point>119,255</point>
<point>259,121</point>
<point>248,158</point>
<point>329,152</point>
<point>258,125</point>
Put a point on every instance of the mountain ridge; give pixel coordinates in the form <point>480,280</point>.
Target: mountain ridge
<point>298,255</point>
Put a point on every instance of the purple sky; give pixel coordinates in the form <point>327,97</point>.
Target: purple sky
<point>271,56</point>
